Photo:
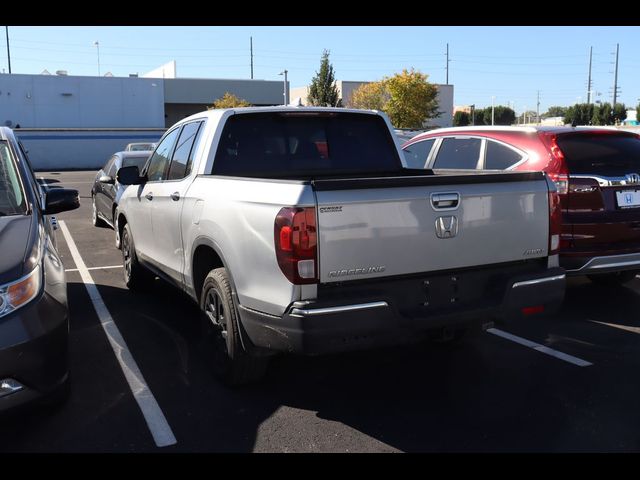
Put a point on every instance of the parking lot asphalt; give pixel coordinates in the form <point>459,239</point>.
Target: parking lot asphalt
<point>561,384</point>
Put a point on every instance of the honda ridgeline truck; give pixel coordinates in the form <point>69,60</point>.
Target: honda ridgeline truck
<point>299,230</point>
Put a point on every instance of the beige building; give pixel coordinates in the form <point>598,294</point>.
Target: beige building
<point>346,88</point>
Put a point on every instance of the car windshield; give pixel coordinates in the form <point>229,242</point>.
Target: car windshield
<point>140,147</point>
<point>12,201</point>
<point>137,161</point>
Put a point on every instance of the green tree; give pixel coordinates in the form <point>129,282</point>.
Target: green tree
<point>477,118</point>
<point>584,114</point>
<point>407,97</point>
<point>229,100</point>
<point>412,99</point>
<point>556,111</point>
<point>501,115</point>
<point>323,91</point>
<point>619,112</point>
<point>461,119</point>
<point>369,96</point>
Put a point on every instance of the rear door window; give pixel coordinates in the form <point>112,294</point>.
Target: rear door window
<point>500,157</point>
<point>417,153</point>
<point>462,153</point>
<point>602,154</point>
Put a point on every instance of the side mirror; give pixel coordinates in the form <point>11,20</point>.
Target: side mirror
<point>107,179</point>
<point>130,176</point>
<point>60,200</point>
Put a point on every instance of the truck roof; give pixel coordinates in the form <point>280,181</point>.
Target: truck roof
<point>219,113</point>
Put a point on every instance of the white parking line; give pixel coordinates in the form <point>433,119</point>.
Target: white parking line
<point>93,268</point>
<point>156,421</point>
<point>621,327</point>
<point>540,348</point>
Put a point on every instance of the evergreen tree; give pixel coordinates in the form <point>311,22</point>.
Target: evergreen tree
<point>323,91</point>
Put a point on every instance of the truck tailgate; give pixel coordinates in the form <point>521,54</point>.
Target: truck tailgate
<point>378,227</point>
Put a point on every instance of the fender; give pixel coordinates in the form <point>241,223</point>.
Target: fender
<point>247,344</point>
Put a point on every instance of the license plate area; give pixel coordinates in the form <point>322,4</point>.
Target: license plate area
<point>628,198</point>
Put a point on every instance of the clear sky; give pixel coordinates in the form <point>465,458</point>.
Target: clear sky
<point>510,63</point>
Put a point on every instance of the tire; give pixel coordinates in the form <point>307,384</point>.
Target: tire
<point>116,230</point>
<point>136,277</point>
<point>613,279</point>
<point>231,363</point>
<point>95,219</point>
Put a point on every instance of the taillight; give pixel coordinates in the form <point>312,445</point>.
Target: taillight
<point>296,242</point>
<point>555,219</point>
<point>557,168</point>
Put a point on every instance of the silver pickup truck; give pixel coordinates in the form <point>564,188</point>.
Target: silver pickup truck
<point>298,230</point>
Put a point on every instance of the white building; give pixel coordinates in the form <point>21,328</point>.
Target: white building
<point>347,87</point>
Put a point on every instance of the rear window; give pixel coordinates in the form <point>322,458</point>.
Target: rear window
<point>308,145</point>
<point>603,154</point>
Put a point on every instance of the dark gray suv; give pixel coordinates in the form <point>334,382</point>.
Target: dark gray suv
<point>34,319</point>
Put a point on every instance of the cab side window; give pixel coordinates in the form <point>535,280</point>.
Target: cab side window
<point>462,153</point>
<point>417,153</point>
<point>500,157</point>
<point>185,148</point>
<point>159,161</point>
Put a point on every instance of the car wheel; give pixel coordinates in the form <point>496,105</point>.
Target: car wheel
<point>95,219</point>
<point>231,363</point>
<point>136,277</point>
<point>612,279</point>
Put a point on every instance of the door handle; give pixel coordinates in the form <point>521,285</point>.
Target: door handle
<point>175,196</point>
<point>149,196</point>
<point>445,201</point>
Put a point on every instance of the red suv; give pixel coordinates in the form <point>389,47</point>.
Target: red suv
<point>596,171</point>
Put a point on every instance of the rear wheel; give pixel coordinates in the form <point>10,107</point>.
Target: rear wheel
<point>612,279</point>
<point>231,363</point>
<point>95,219</point>
<point>136,277</point>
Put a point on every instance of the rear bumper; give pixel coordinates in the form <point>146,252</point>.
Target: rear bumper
<point>314,328</point>
<point>587,265</point>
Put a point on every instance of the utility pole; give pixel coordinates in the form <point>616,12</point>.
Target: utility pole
<point>251,48</point>
<point>473,114</point>
<point>448,64</point>
<point>538,108</point>
<point>493,97</point>
<point>615,78</point>
<point>589,80</point>
<point>6,29</point>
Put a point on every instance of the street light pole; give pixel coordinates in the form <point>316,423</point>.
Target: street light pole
<point>97,45</point>
<point>286,89</point>
<point>473,114</point>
